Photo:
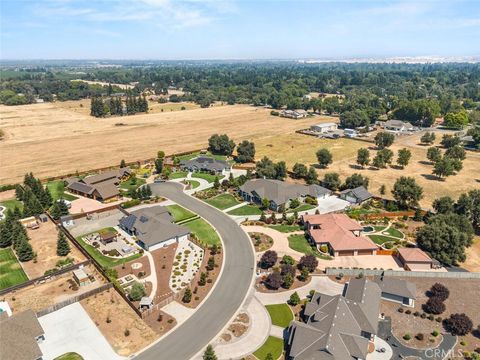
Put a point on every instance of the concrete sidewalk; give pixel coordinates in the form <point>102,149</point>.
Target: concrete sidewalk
<point>235,207</point>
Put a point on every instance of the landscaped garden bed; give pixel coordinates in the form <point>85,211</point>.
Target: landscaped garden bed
<point>261,241</point>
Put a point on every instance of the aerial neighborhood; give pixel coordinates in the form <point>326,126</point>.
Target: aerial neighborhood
<point>317,208</point>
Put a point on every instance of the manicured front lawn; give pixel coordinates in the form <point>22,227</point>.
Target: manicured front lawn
<point>223,201</point>
<point>203,231</point>
<point>180,213</point>
<point>300,243</point>
<point>178,175</point>
<point>280,314</point>
<point>104,261</point>
<point>194,184</point>
<point>11,273</point>
<point>208,177</point>
<point>245,211</point>
<point>286,228</point>
<point>69,356</point>
<point>132,183</point>
<point>379,227</point>
<point>11,204</point>
<point>380,239</point>
<point>302,207</point>
<point>272,346</point>
<point>395,233</point>
<point>57,190</point>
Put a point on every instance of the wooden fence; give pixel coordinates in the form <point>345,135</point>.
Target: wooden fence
<point>74,299</point>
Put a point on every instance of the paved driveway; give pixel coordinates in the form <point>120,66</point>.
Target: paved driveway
<point>227,296</point>
<point>70,329</point>
<point>331,204</point>
<point>99,221</point>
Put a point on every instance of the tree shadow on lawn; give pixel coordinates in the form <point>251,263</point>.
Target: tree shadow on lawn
<point>424,162</point>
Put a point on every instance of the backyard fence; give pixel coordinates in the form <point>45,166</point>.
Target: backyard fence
<point>429,274</point>
<point>44,278</point>
<point>74,299</point>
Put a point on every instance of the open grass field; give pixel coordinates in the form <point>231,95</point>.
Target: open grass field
<point>203,231</point>
<point>272,346</point>
<point>280,314</point>
<point>294,148</point>
<point>11,273</point>
<point>81,142</point>
<point>223,201</point>
<point>180,213</point>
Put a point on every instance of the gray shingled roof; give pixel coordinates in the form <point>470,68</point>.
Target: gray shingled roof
<point>279,191</point>
<point>205,163</point>
<point>359,192</point>
<point>394,286</point>
<point>18,335</point>
<point>334,325</point>
<point>81,187</point>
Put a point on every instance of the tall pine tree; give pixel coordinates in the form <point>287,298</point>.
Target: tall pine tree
<point>63,248</point>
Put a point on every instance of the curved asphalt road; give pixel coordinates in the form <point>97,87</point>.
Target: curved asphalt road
<point>227,296</point>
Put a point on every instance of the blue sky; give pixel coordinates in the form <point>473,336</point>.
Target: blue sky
<point>241,29</point>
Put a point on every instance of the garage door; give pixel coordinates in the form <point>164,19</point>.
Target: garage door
<point>364,252</point>
<point>345,253</point>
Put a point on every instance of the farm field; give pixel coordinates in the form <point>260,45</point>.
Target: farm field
<point>294,148</point>
<point>87,143</point>
<point>11,273</point>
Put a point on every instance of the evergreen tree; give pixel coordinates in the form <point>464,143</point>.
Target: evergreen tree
<point>24,251</point>
<point>63,248</point>
<point>209,353</point>
<point>312,177</point>
<point>6,234</point>
<point>46,198</point>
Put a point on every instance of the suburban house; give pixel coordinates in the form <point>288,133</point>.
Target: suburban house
<point>342,235</point>
<point>415,259</point>
<point>324,127</point>
<point>153,227</point>
<point>337,327</point>
<point>280,193</point>
<point>397,290</point>
<point>397,126</point>
<point>101,187</point>
<point>294,114</point>
<point>356,196</point>
<point>20,335</point>
<point>206,163</point>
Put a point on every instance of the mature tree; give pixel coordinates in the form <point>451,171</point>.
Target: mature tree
<point>309,262</point>
<point>384,140</point>
<point>288,281</point>
<point>294,299</point>
<point>407,192</point>
<point>456,152</point>
<point>449,141</point>
<point>288,260</point>
<point>221,144</point>
<point>312,176</point>
<point>268,259</point>
<point>446,166</point>
<point>63,247</point>
<point>383,157</point>
<point>299,171</point>
<point>456,120</point>
<point>137,291</point>
<point>324,157</point>
<point>266,168</point>
<point>421,112</point>
<point>354,181</point>
<point>434,305</point>
<point>404,156</point>
<point>353,119</point>
<point>274,280</point>
<point>443,205</point>
<point>439,291</point>
<point>245,152</point>
<point>468,205</point>
<point>434,154</point>
<point>280,170</point>
<point>123,164</point>
<point>459,324</point>
<point>331,181</point>
<point>382,189</point>
<point>428,138</point>
<point>363,157</point>
<point>209,353</point>
<point>24,251</point>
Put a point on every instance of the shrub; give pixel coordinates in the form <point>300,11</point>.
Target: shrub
<point>294,299</point>
<point>434,305</point>
<point>416,313</point>
<point>274,280</point>
<point>187,296</point>
<point>439,291</point>
<point>126,332</point>
<point>400,310</point>
<point>268,259</point>
<point>137,291</point>
<point>435,333</point>
<point>309,262</point>
<point>459,324</point>
<point>423,316</point>
<point>408,312</point>
<point>407,336</point>
<point>288,260</point>
<point>420,337</point>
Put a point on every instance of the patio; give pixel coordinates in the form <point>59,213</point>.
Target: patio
<point>111,243</point>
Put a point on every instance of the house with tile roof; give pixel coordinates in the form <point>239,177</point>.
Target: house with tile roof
<point>337,327</point>
<point>414,259</point>
<point>342,235</point>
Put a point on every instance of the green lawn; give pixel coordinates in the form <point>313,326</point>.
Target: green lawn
<point>379,227</point>
<point>203,231</point>
<point>223,201</point>
<point>132,183</point>
<point>286,228</point>
<point>57,190</point>
<point>208,177</point>
<point>193,183</point>
<point>273,346</point>
<point>246,210</point>
<point>380,239</point>
<point>395,233</point>
<point>104,261</point>
<point>302,207</point>
<point>11,273</point>
<point>180,213</point>
<point>11,204</point>
<point>178,175</point>
<point>300,243</point>
<point>69,356</point>
<point>280,314</point>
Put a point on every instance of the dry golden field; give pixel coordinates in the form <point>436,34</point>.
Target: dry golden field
<point>52,139</point>
<point>301,148</point>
